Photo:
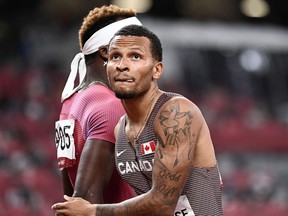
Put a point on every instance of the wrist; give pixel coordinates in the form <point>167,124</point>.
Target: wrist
<point>92,210</point>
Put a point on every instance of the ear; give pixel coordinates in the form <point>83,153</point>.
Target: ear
<point>158,70</point>
<point>103,52</point>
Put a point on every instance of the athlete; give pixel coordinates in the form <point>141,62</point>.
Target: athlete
<point>163,144</point>
<point>90,111</point>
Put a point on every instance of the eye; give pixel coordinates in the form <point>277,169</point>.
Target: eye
<point>136,56</point>
<point>115,56</point>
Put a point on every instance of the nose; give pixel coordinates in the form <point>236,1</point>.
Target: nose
<point>123,65</point>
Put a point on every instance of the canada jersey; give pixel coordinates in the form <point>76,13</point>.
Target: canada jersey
<point>202,191</point>
<point>90,114</point>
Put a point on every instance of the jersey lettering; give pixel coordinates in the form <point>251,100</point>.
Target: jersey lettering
<point>183,207</point>
<point>133,166</point>
<point>182,212</point>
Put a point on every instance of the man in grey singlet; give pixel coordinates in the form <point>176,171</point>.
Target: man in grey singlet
<point>163,148</point>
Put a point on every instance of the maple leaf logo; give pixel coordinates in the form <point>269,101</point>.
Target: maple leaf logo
<point>147,148</point>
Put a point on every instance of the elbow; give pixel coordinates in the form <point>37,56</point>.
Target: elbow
<point>167,210</point>
<point>163,207</point>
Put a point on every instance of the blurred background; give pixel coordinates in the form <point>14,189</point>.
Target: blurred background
<point>228,56</point>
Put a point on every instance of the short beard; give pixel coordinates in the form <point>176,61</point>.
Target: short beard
<point>126,95</point>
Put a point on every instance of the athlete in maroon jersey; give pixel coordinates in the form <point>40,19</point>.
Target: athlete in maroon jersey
<point>163,145</point>
<point>90,111</point>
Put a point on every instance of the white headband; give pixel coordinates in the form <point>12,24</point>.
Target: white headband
<point>98,39</point>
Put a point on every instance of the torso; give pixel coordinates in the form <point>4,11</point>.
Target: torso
<point>135,164</point>
<point>95,115</point>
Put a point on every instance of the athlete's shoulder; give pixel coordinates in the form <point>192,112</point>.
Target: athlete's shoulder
<point>178,105</point>
<point>97,94</point>
<point>117,127</point>
<point>180,101</point>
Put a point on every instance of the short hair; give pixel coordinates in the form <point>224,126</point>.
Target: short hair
<point>141,31</point>
<point>101,17</point>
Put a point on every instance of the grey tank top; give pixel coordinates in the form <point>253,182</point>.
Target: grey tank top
<point>203,186</point>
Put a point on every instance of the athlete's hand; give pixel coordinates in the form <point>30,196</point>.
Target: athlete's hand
<point>74,206</point>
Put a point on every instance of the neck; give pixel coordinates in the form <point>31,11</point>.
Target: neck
<point>138,117</point>
<point>139,108</point>
<point>94,80</point>
<point>96,72</point>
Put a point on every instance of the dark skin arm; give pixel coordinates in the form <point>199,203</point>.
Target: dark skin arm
<point>66,183</point>
<point>95,169</point>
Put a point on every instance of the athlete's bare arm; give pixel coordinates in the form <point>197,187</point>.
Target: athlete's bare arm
<point>66,183</point>
<point>180,127</point>
<point>95,170</point>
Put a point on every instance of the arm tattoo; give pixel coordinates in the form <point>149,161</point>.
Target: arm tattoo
<point>176,127</point>
<point>164,175</point>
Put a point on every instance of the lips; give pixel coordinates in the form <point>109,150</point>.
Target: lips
<point>126,79</point>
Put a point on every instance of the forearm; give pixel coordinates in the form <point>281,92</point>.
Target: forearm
<point>142,205</point>
<point>92,197</point>
<point>95,170</point>
<point>66,184</point>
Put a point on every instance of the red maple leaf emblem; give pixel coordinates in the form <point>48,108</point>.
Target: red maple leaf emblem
<point>147,148</point>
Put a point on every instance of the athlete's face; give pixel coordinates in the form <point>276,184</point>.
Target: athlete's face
<point>130,67</point>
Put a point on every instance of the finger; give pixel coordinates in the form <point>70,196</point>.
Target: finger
<point>60,213</point>
<point>67,198</point>
<point>57,206</point>
<point>54,207</point>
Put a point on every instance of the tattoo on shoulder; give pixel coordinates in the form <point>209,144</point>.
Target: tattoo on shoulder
<point>176,126</point>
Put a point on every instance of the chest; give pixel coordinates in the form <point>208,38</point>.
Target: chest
<point>136,155</point>
<point>135,161</point>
